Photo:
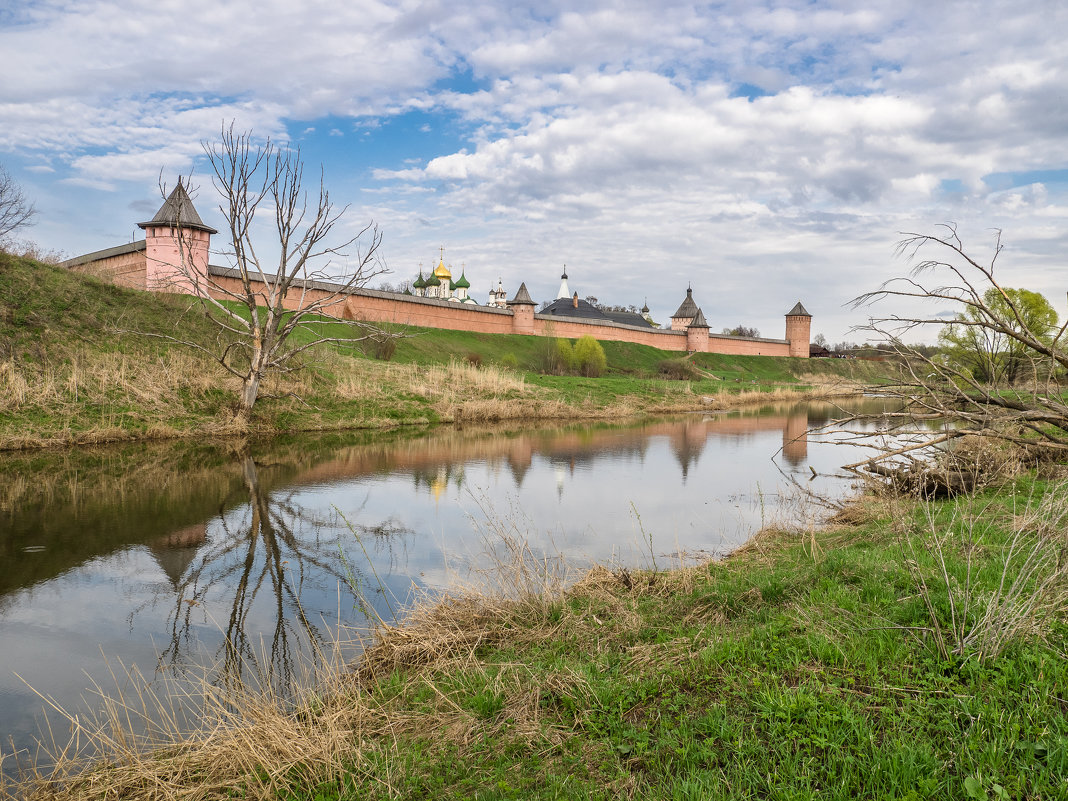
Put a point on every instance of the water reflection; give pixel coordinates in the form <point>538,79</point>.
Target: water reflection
<point>231,555</point>
<point>255,558</point>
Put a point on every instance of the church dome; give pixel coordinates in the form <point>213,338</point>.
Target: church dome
<point>461,282</point>
<point>419,283</point>
<point>441,271</point>
<point>433,280</point>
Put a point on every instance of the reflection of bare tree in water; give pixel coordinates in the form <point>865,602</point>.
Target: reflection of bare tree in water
<point>269,555</point>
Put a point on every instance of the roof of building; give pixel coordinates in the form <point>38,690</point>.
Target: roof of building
<point>177,211</point>
<point>567,307</point>
<point>563,291</point>
<point>461,282</point>
<point>441,271</point>
<point>97,255</point>
<point>688,308</point>
<point>522,297</point>
<point>627,318</point>
<point>433,280</point>
<point>798,311</point>
<point>699,320</point>
<point>420,282</point>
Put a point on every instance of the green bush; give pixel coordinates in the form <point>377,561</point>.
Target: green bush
<point>509,361</point>
<point>588,357</point>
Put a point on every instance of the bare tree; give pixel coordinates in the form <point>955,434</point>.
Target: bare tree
<point>15,211</point>
<point>284,285</point>
<point>934,388</point>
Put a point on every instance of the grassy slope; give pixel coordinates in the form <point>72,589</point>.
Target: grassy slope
<point>803,667</point>
<point>76,367</point>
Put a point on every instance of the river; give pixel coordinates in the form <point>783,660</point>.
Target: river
<point>166,558</point>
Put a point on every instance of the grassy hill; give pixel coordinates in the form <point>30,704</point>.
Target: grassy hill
<point>84,361</point>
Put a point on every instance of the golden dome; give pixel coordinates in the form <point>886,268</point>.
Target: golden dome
<point>441,271</point>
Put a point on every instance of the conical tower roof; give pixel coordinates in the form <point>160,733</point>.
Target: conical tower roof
<point>688,307</point>
<point>177,212</point>
<point>798,311</point>
<point>522,297</point>
<point>699,320</point>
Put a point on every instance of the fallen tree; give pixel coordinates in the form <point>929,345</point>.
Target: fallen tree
<point>943,400</point>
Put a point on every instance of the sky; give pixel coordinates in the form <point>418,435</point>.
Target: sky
<point>760,152</point>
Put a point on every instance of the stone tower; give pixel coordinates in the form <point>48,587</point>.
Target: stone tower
<point>176,247</point>
<point>798,330</point>
<point>697,334</point>
<point>523,310</point>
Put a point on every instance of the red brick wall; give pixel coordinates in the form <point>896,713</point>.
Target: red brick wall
<point>386,307</point>
<point>126,269</point>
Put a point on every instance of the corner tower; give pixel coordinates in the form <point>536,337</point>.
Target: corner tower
<point>176,247</point>
<point>798,330</point>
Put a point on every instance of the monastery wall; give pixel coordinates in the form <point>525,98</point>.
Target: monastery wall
<point>748,346</point>
<point>551,325</point>
<point>124,265</point>
<point>374,306</point>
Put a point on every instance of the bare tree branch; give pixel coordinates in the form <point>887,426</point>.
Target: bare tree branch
<point>15,211</point>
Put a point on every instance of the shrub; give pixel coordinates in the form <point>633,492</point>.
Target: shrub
<point>678,370</point>
<point>381,346</point>
<point>509,361</point>
<point>588,357</point>
<point>474,359</point>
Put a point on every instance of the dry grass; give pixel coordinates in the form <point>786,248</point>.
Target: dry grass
<point>103,378</point>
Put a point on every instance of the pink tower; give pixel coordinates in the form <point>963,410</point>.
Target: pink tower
<point>523,311</point>
<point>697,333</point>
<point>176,247</point>
<point>798,330</point>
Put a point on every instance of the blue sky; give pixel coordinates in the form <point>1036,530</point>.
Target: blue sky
<point>763,152</point>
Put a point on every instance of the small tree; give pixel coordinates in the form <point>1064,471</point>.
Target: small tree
<point>276,297</point>
<point>15,211</point>
<point>994,357</point>
<point>589,358</point>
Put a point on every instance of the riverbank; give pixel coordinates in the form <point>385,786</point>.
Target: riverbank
<point>904,651</point>
<point>83,362</point>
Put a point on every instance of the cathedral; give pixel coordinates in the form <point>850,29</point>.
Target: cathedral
<point>440,284</point>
